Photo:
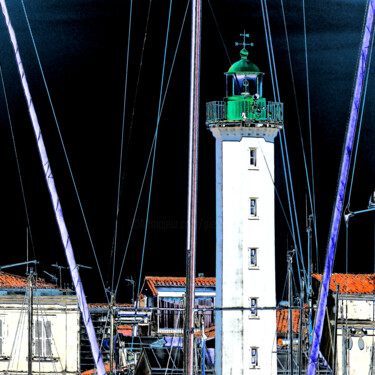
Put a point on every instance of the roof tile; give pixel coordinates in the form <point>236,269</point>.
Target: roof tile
<point>351,283</point>
<point>155,281</point>
<point>9,281</point>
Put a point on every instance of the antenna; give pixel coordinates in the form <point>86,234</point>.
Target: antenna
<point>53,277</point>
<point>60,268</point>
<point>18,264</point>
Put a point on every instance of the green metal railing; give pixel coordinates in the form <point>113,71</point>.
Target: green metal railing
<point>245,110</point>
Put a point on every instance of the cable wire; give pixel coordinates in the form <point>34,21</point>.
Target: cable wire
<point>151,149</point>
<point>17,162</point>
<point>63,145</point>
<point>122,144</point>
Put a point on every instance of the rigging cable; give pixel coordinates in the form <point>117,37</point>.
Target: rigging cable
<point>122,145</point>
<point>63,145</point>
<point>151,149</point>
<point>17,161</point>
<point>132,118</point>
<point>154,151</point>
<point>313,208</point>
<point>299,122</point>
<point>287,172</point>
<point>221,36</point>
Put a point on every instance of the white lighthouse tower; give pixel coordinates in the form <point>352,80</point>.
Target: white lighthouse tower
<point>245,126</point>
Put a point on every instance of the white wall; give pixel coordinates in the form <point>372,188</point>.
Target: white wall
<point>236,232</point>
<point>62,312</point>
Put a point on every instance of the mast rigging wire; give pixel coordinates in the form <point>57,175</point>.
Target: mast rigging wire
<point>283,144</point>
<point>122,145</point>
<point>131,123</point>
<point>151,149</point>
<point>299,126</point>
<point>313,208</point>
<point>63,145</point>
<point>154,151</point>
<point>17,162</point>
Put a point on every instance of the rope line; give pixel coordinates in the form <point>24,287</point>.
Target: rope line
<point>17,162</point>
<point>299,125</point>
<point>151,151</point>
<point>122,145</point>
<point>63,145</point>
<point>310,128</point>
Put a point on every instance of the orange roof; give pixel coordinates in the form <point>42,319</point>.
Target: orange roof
<point>351,283</point>
<point>282,320</point>
<point>209,332</point>
<point>154,281</point>
<point>9,281</point>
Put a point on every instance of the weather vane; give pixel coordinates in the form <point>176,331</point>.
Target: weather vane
<point>244,44</point>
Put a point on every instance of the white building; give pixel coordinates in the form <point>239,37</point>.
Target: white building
<point>245,126</point>
<point>355,339</point>
<point>55,345</point>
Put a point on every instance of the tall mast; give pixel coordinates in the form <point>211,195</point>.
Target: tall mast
<point>56,203</point>
<point>30,316</point>
<point>192,186</point>
<point>356,104</point>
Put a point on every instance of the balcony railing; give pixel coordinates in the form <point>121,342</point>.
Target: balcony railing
<point>245,110</point>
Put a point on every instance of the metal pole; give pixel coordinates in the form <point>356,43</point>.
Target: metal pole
<point>30,316</point>
<point>192,187</point>
<point>290,315</point>
<point>111,334</point>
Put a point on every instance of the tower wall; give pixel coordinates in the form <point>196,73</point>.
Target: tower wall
<point>245,251</point>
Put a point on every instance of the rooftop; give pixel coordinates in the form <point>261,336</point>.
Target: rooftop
<point>157,281</point>
<point>351,283</point>
<point>10,281</point>
<point>282,320</point>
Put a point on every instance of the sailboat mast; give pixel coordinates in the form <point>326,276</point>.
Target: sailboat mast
<point>192,187</point>
<point>30,316</point>
<point>56,203</point>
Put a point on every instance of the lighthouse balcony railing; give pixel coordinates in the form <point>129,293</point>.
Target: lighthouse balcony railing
<point>245,110</point>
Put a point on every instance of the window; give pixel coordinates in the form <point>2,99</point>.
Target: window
<point>253,157</point>
<point>42,338</point>
<point>253,208</point>
<point>253,257</point>
<point>254,357</point>
<point>253,307</point>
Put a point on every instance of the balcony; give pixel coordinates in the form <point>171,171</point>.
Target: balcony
<point>245,110</point>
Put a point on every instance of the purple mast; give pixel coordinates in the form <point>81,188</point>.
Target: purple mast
<point>340,194</point>
<point>56,204</point>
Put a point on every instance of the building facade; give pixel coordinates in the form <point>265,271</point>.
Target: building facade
<point>55,327</point>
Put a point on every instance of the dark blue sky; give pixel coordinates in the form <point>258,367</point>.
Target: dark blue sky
<point>82,47</point>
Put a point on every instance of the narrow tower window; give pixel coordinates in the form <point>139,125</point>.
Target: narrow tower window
<point>253,207</point>
<point>253,307</point>
<point>253,157</point>
<point>253,257</point>
<point>254,357</point>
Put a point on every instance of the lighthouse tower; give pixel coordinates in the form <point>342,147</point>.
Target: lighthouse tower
<point>245,125</point>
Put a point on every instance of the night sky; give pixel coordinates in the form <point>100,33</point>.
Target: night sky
<point>82,46</point>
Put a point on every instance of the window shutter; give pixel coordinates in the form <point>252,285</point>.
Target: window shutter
<point>48,339</point>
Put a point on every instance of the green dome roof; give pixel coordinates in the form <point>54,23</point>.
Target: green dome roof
<point>243,65</point>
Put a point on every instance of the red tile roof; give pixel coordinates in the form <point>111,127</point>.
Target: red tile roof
<point>9,281</point>
<point>282,320</point>
<point>351,283</point>
<point>154,281</point>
